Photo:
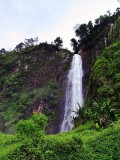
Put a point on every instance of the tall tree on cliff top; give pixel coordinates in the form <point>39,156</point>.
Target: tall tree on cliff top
<point>74,44</point>
<point>58,42</point>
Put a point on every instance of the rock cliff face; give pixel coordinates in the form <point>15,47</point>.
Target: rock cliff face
<point>33,80</point>
<point>86,61</point>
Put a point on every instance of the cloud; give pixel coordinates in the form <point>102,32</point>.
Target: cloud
<point>78,13</point>
<point>47,19</point>
<point>11,39</point>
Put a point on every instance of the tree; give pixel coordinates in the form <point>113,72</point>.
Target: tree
<point>29,42</point>
<point>74,44</point>
<point>36,39</point>
<point>109,13</point>
<point>31,133</point>
<point>90,26</point>
<point>32,128</point>
<point>97,21</point>
<point>19,47</point>
<point>118,9</point>
<point>58,42</point>
<point>82,31</point>
<point>2,51</point>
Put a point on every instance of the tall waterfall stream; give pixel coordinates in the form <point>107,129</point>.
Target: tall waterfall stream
<point>73,95</point>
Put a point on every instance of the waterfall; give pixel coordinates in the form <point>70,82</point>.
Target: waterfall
<point>74,95</point>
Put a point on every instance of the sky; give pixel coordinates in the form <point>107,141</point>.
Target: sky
<point>47,19</point>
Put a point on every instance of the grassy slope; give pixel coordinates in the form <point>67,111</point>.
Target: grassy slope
<point>81,143</point>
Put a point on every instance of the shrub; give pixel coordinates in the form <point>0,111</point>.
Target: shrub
<point>32,127</point>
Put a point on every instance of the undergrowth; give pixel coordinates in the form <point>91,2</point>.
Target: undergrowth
<point>82,143</point>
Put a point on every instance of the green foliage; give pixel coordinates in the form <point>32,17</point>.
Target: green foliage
<point>117,77</point>
<point>82,143</point>
<point>7,145</point>
<point>64,146</point>
<point>40,121</point>
<point>105,90</point>
<point>74,44</point>
<point>31,135</point>
<point>30,128</point>
<point>104,86</point>
<point>82,31</point>
<point>30,76</point>
<point>58,42</point>
<point>26,127</point>
<point>106,146</point>
<point>33,127</point>
<point>36,146</point>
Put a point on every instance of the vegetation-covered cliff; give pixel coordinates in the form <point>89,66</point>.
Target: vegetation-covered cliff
<point>102,97</point>
<point>33,79</point>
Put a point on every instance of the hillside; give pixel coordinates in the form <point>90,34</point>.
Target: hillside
<point>32,80</point>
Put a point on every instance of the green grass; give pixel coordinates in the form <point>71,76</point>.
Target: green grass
<point>7,145</point>
<point>82,143</point>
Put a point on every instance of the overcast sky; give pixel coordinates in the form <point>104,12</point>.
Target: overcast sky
<point>47,19</point>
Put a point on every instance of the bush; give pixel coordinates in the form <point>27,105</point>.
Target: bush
<point>32,127</point>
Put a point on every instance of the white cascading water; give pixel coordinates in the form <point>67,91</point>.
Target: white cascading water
<point>74,95</point>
